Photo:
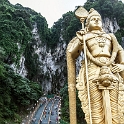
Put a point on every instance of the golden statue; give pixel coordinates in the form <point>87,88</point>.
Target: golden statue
<point>100,80</point>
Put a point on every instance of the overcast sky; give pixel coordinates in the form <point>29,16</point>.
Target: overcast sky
<point>52,10</point>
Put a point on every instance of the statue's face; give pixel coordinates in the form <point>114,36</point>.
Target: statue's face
<point>95,23</point>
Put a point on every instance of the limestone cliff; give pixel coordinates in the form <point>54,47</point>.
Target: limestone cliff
<point>52,65</point>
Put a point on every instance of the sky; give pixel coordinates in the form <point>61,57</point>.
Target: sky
<point>52,10</point>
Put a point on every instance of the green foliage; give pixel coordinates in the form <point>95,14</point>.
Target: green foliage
<point>16,24</point>
<point>17,92</point>
<point>64,103</point>
<point>4,2</point>
<point>65,107</point>
<point>119,35</point>
<point>121,22</point>
<point>80,113</point>
<point>32,62</point>
<point>63,122</point>
<point>15,31</point>
<point>64,29</point>
<point>42,25</point>
<point>55,34</point>
<point>107,8</point>
<point>70,25</point>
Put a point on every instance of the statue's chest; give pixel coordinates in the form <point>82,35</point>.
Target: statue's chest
<point>99,42</point>
<point>99,45</point>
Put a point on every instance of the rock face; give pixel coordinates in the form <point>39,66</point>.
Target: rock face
<point>53,68</point>
<point>21,70</point>
<point>110,26</point>
<point>53,71</point>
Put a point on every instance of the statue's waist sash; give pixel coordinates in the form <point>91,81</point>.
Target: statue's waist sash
<point>103,60</point>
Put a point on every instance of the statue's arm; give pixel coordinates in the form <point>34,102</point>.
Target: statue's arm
<point>118,67</point>
<point>120,54</point>
<point>121,59</point>
<point>75,47</point>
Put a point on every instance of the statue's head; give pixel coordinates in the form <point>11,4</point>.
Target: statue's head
<point>94,20</point>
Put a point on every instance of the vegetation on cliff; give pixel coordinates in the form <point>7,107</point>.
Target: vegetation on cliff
<point>17,93</point>
<point>16,40</point>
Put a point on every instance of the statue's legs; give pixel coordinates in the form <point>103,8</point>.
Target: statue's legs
<point>98,115</point>
<point>96,97</point>
<point>96,104</point>
<point>114,104</point>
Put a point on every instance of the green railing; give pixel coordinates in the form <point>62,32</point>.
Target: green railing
<point>50,96</point>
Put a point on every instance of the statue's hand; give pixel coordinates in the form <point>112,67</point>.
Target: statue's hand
<point>80,34</point>
<point>117,68</point>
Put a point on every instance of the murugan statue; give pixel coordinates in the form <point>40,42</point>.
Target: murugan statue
<point>100,79</point>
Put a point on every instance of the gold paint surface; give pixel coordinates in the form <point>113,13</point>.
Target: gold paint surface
<point>102,100</point>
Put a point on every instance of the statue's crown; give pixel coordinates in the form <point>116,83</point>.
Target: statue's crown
<point>93,12</point>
